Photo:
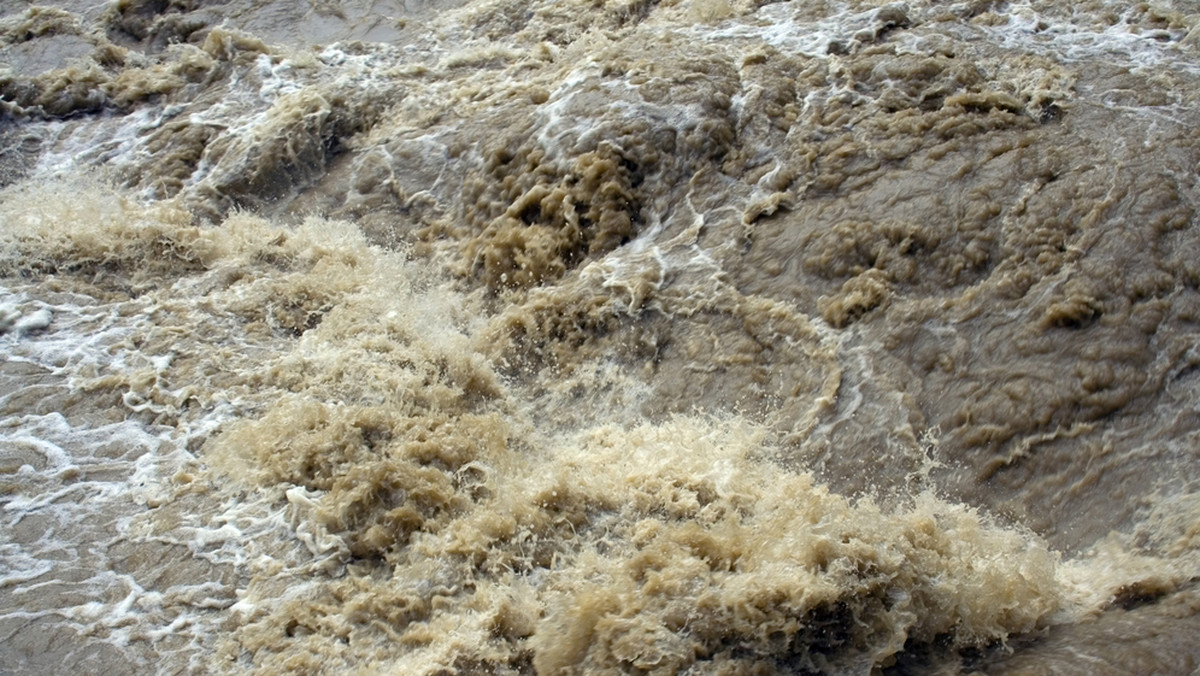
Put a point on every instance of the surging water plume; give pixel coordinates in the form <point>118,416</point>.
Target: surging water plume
<point>445,515</point>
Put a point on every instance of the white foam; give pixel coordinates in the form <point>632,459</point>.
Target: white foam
<point>1030,30</point>
<point>9,315</point>
<point>107,140</point>
<point>776,25</point>
<point>33,322</point>
<point>84,488</point>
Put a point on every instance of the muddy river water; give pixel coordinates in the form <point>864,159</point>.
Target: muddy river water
<point>599,336</point>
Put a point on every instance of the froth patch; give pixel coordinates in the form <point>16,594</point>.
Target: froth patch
<point>722,560</point>
<point>659,547</point>
<point>24,321</point>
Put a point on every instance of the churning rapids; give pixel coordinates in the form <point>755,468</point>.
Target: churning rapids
<point>599,336</point>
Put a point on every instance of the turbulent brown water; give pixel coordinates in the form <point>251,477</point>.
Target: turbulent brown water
<point>599,336</point>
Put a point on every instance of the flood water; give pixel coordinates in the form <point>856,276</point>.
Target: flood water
<point>599,336</point>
